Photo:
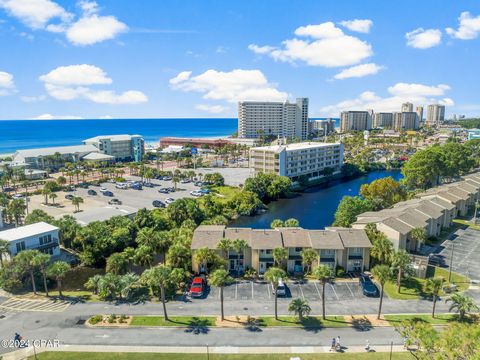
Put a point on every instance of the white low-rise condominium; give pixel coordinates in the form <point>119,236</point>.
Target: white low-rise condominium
<point>308,159</point>
<point>280,119</point>
<point>122,147</point>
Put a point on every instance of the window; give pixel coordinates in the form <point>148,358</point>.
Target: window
<point>46,239</point>
<point>20,246</point>
<point>298,249</point>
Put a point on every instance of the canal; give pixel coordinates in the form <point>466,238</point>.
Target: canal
<point>315,208</point>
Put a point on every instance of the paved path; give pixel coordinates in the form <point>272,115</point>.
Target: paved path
<point>24,304</point>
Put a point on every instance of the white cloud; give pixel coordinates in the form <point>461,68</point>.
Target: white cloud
<point>7,85</point>
<point>92,29</point>
<point>31,99</point>
<point>468,27</point>
<point>327,46</point>
<point>35,13</point>
<point>261,50</point>
<point>358,71</point>
<point>214,109</point>
<point>56,117</point>
<point>399,93</point>
<point>423,39</point>
<point>358,25</point>
<point>230,86</point>
<point>75,81</point>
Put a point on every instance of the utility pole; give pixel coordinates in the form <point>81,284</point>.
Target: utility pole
<point>391,349</point>
<point>451,263</point>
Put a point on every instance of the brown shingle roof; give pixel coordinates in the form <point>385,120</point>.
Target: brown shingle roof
<point>295,237</point>
<point>239,233</point>
<point>207,236</point>
<point>266,239</point>
<point>321,239</point>
<point>354,238</point>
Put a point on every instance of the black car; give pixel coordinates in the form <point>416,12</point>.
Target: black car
<point>91,192</point>
<point>368,287</point>
<point>69,197</point>
<point>149,185</point>
<point>83,185</point>
<point>436,260</point>
<point>70,188</point>
<point>115,201</point>
<point>107,193</point>
<point>158,204</point>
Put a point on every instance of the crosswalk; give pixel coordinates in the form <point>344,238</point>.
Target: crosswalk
<point>26,304</point>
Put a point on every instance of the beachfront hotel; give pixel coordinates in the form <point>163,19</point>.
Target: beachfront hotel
<point>279,119</point>
<point>348,248</point>
<point>308,159</point>
<point>121,147</point>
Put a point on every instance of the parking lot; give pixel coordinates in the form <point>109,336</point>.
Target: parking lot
<point>311,291</point>
<point>465,248</point>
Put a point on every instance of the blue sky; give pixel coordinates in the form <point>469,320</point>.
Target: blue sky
<point>150,58</point>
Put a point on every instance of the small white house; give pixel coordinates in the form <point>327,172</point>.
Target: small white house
<point>40,236</point>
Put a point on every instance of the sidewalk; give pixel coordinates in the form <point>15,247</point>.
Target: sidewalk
<point>24,353</point>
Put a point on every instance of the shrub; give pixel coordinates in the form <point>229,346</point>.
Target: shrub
<point>123,319</point>
<point>340,271</point>
<point>112,318</point>
<point>95,319</point>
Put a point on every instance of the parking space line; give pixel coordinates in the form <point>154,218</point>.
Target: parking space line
<point>236,289</point>
<point>318,291</point>
<point>251,283</point>
<point>334,292</point>
<point>348,287</point>
<point>301,290</point>
<point>268,291</point>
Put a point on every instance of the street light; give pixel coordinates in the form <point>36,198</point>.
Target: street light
<point>208,353</point>
<point>451,263</point>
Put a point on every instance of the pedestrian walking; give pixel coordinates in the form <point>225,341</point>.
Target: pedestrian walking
<point>334,342</point>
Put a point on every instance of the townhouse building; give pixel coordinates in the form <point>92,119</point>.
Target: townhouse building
<point>348,248</point>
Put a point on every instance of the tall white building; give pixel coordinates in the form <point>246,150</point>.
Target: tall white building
<point>320,127</point>
<point>403,121</point>
<point>299,159</point>
<point>384,120</point>
<point>407,107</point>
<point>435,115</point>
<point>282,119</point>
<point>355,120</point>
<point>419,111</point>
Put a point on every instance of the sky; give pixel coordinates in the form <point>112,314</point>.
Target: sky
<point>189,58</point>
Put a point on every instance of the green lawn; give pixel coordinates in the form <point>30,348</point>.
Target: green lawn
<point>194,321</point>
<point>157,356</point>
<point>467,223</point>
<point>311,321</point>
<point>225,192</point>
<point>412,288</point>
<point>440,319</point>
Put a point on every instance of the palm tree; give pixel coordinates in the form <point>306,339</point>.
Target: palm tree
<point>462,304</point>
<point>323,273</point>
<point>402,262</point>
<point>144,256</point>
<point>382,249</point>
<point>76,201</point>
<point>299,307</point>
<point>292,222</point>
<point>41,260</point>
<point>280,256</point>
<point>308,257</point>
<point>25,261</point>
<point>382,275</point>
<point>117,264</point>
<point>93,283</point>
<point>4,250</point>
<point>239,246</point>
<point>276,223</point>
<point>53,196</point>
<point>419,235</point>
<point>432,287</point>
<point>225,245</point>
<point>220,278</point>
<point>58,270</point>
<point>46,192</point>
<point>203,256</point>
<point>16,209</point>
<point>274,275</point>
<point>162,276</point>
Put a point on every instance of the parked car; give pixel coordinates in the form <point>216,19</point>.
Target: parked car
<point>69,196</point>
<point>185,181</point>
<point>167,178</point>
<point>107,193</point>
<point>367,285</point>
<point>70,188</point>
<point>198,183</point>
<point>149,185</point>
<point>91,192</point>
<point>122,186</point>
<point>158,204</point>
<point>83,185</point>
<point>163,191</point>
<point>281,288</point>
<point>204,191</point>
<point>103,189</point>
<point>168,201</point>
<point>159,177</point>
<point>136,186</point>
<point>436,260</point>
<point>18,196</point>
<point>196,193</point>
<point>197,287</point>
<point>115,201</point>
<point>171,189</point>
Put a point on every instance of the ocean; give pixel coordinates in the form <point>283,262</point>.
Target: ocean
<point>31,134</point>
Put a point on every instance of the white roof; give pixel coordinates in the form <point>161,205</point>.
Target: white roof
<point>123,137</point>
<point>97,156</point>
<point>27,231</point>
<point>53,150</point>
<point>296,146</point>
